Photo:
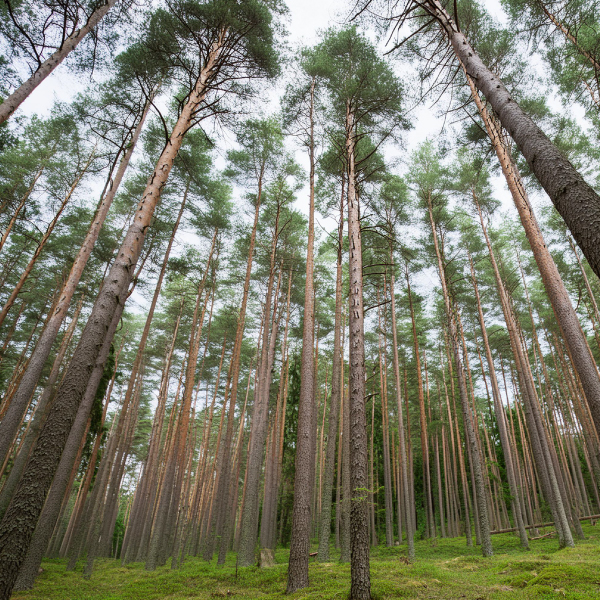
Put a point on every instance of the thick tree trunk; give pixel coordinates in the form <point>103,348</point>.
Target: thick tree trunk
<point>44,345</point>
<point>359,531</point>
<point>39,542</point>
<point>41,412</point>
<point>575,200</point>
<point>21,516</point>
<point>553,283</point>
<point>10,104</point>
<point>301,515</point>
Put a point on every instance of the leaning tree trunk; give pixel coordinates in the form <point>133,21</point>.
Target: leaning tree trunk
<point>43,532</point>
<point>41,412</point>
<point>22,514</point>
<point>10,104</point>
<point>301,515</point>
<point>20,401</point>
<point>566,316</point>
<point>575,200</point>
<point>359,539</point>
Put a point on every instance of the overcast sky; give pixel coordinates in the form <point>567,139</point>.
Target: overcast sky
<point>307,18</point>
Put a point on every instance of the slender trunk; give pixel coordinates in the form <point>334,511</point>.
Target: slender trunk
<point>24,199</point>
<point>500,420</point>
<point>10,104</point>
<point>301,515</point>
<point>539,443</point>
<point>404,476</point>
<point>576,201</point>
<point>225,481</point>
<point>249,517</point>
<point>359,539</point>
<point>41,244</point>
<point>470,433</point>
<point>16,529</point>
<point>422,418</point>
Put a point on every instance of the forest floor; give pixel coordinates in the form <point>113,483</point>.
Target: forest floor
<point>445,568</point>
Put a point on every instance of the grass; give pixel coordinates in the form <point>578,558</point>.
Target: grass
<point>445,568</point>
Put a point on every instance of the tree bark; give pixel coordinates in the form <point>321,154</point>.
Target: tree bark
<point>301,515</point>
<point>575,200</point>
<point>10,104</point>
<point>359,531</point>
<point>21,516</point>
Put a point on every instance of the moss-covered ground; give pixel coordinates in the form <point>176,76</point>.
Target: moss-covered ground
<point>445,568</point>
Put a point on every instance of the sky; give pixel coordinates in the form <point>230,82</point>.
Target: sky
<point>306,19</point>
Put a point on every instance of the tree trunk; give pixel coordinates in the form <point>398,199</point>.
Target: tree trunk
<point>301,515</point>
<point>225,483</point>
<point>576,201</point>
<point>422,418</point>
<point>359,530</point>
<point>404,477</point>
<point>10,104</point>
<point>470,433</point>
<point>553,283</point>
<point>250,513</point>
<point>44,344</point>
<point>51,508</point>
<point>500,420</point>
<point>21,516</point>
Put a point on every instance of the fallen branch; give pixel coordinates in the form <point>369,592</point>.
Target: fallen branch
<point>541,525</point>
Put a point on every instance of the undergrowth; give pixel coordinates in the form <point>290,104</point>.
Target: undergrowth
<point>444,568</point>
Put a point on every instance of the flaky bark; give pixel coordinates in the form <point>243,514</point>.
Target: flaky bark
<point>21,516</point>
<point>359,534</point>
<point>301,515</point>
<point>576,201</point>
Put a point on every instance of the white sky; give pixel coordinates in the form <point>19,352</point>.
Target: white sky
<point>307,18</point>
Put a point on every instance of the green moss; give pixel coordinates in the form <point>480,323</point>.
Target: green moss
<point>444,570</point>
